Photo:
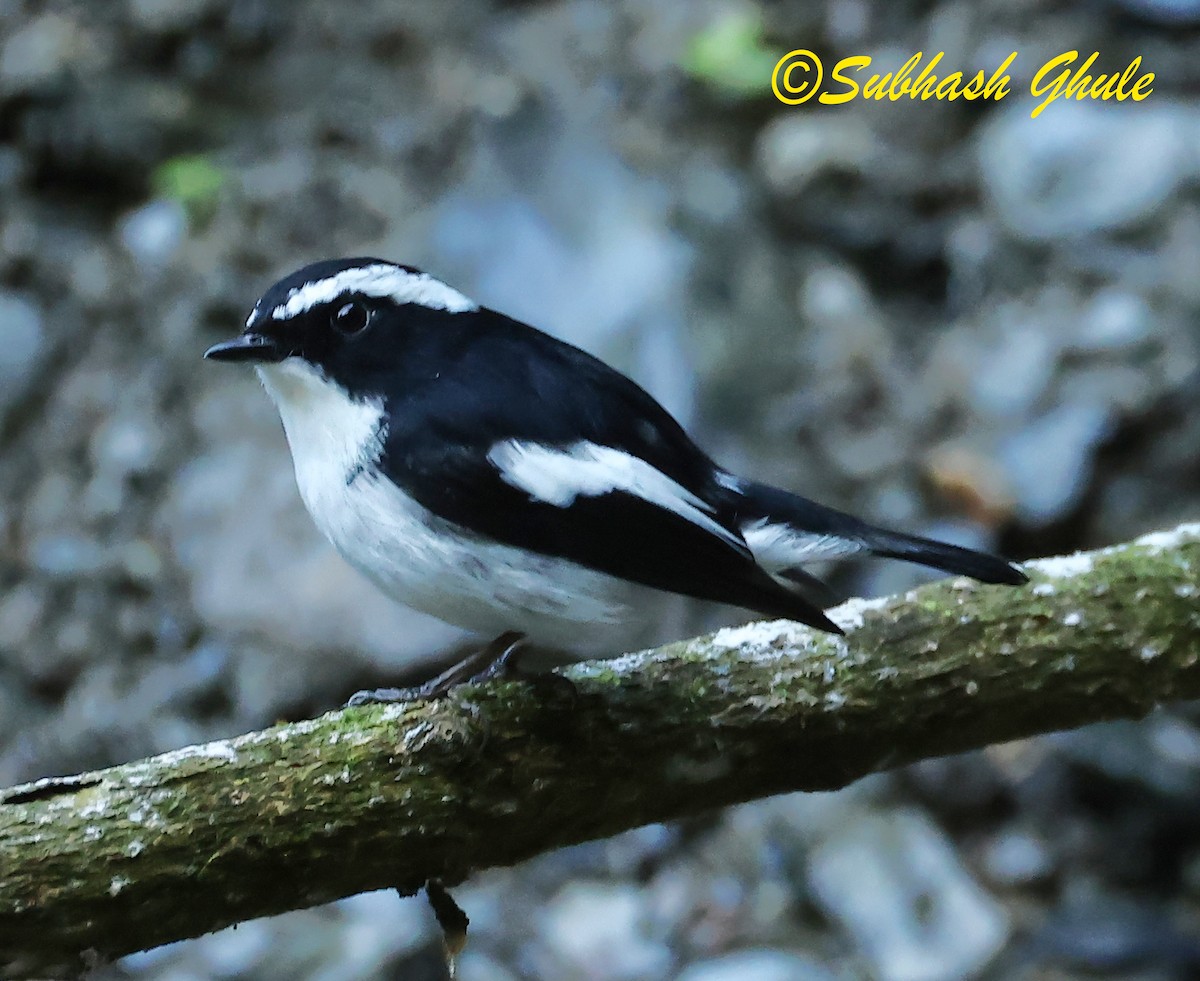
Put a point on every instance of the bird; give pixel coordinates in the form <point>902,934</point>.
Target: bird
<point>502,480</point>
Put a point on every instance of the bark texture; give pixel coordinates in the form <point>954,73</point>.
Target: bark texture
<point>118,860</point>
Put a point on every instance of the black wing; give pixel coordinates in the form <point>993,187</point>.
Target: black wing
<point>464,395</point>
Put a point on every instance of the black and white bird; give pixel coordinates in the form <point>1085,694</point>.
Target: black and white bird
<point>486,473</point>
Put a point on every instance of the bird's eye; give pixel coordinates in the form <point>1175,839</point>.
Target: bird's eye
<point>351,318</point>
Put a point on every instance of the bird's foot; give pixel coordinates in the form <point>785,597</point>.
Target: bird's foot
<point>499,659</point>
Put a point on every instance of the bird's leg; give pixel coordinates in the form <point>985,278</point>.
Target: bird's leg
<point>489,661</point>
<point>502,659</point>
<point>508,665</point>
<point>478,666</point>
<point>505,661</point>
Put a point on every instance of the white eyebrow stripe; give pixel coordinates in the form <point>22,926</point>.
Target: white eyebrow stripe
<point>558,476</point>
<point>378,279</point>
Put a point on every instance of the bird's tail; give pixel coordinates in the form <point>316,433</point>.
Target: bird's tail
<point>940,555</point>
<point>785,530</point>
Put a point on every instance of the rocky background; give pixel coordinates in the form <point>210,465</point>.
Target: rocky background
<point>948,317</point>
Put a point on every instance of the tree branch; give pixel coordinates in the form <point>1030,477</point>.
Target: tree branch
<point>161,849</point>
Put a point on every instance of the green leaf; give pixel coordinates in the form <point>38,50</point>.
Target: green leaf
<point>193,180</point>
<point>730,54</point>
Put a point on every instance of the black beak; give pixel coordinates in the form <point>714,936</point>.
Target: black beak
<point>247,347</point>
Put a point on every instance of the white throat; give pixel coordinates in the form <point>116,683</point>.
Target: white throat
<point>331,435</point>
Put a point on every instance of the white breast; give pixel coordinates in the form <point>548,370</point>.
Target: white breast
<point>421,560</point>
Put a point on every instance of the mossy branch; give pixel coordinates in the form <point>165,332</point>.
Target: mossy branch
<point>126,858</point>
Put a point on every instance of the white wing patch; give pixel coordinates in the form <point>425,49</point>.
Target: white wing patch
<point>583,469</point>
<point>378,279</point>
<point>779,546</point>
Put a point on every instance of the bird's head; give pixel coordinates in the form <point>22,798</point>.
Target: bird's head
<point>340,320</point>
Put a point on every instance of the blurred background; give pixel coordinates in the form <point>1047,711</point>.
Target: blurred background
<point>949,318</point>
